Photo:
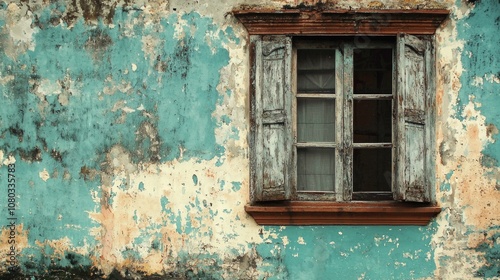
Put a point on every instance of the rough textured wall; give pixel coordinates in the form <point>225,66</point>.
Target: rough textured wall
<point>125,124</point>
<point>468,239</point>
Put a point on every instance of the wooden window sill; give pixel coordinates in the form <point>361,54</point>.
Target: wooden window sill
<point>343,213</point>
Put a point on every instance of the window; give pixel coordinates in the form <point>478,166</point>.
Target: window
<point>342,122</point>
<point>342,126</point>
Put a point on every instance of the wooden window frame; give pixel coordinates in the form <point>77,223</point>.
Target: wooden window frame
<point>335,23</point>
<point>343,46</point>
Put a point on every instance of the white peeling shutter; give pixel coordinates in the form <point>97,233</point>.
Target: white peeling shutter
<point>271,103</point>
<point>415,128</point>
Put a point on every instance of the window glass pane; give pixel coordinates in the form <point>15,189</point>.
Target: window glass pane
<point>315,120</point>
<point>315,169</point>
<point>373,71</point>
<point>316,70</point>
<point>372,169</point>
<point>372,121</point>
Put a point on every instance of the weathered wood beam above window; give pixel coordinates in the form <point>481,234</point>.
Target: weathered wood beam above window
<point>341,22</point>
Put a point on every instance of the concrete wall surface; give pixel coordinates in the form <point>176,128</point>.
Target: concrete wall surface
<point>125,124</point>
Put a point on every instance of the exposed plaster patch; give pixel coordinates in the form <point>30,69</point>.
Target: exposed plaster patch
<point>301,241</point>
<point>21,239</point>
<point>44,175</point>
<point>6,78</point>
<point>22,31</point>
<point>179,27</point>
<point>173,222</point>
<point>18,26</point>
<point>9,160</point>
<point>285,241</point>
<point>47,87</point>
<point>477,82</point>
<point>492,78</point>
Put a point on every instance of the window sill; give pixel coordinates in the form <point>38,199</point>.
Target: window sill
<point>346,213</point>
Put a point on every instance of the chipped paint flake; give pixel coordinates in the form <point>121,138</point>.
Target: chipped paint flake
<point>44,175</point>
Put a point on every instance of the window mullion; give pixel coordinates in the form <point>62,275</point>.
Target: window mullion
<point>347,95</point>
<point>339,122</point>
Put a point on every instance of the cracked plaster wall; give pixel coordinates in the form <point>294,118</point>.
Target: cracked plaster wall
<point>128,122</point>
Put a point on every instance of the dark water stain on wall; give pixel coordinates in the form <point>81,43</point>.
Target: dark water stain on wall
<point>491,250</point>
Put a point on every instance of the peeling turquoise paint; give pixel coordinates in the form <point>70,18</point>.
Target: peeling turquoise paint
<point>164,202</point>
<point>70,139</point>
<point>491,250</point>
<point>236,186</point>
<point>350,252</point>
<point>43,212</point>
<point>180,98</point>
<point>225,119</point>
<point>445,186</point>
<point>480,59</point>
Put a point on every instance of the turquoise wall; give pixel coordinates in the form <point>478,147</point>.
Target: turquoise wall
<point>481,58</point>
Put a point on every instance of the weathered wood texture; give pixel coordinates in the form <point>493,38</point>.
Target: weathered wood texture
<point>341,22</point>
<point>342,213</point>
<point>415,108</point>
<point>271,118</point>
<point>347,119</point>
<point>339,123</point>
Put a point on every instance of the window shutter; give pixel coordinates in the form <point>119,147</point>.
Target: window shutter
<point>415,108</point>
<point>271,105</point>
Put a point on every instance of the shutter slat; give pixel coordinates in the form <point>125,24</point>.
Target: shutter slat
<point>271,112</point>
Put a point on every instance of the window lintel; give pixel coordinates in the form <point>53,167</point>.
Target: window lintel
<point>384,22</point>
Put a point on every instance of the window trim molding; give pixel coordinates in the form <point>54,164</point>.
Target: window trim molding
<point>342,213</point>
<point>341,22</point>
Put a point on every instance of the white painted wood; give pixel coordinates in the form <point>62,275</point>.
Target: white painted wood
<point>339,124</point>
<point>272,118</point>
<point>348,88</point>
<point>415,117</point>
<point>315,145</point>
<point>316,95</point>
